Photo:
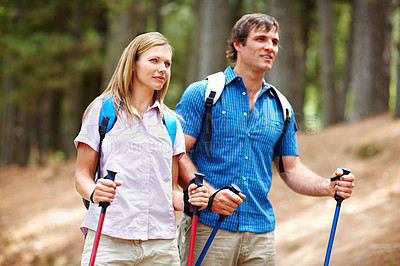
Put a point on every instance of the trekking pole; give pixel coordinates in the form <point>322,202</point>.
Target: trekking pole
<point>235,189</point>
<point>199,182</point>
<point>339,200</point>
<point>103,205</point>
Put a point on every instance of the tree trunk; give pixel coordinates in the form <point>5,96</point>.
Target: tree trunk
<point>371,51</point>
<point>397,110</point>
<point>214,32</point>
<point>330,97</point>
<point>193,54</point>
<point>288,71</point>
<point>9,118</point>
<point>347,68</point>
<point>125,22</point>
<point>73,95</point>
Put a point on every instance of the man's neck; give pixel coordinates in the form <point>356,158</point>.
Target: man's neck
<point>253,81</point>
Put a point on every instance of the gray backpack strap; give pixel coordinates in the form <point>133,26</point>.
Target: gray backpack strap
<point>215,86</point>
<point>286,110</point>
<point>287,114</point>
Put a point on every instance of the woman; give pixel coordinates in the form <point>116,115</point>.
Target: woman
<point>140,225</point>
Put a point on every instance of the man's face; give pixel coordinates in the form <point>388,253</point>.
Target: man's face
<point>260,50</point>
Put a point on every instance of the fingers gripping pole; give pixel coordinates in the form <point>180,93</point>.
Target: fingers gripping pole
<point>335,219</point>
<point>235,189</point>
<point>103,205</point>
<point>199,182</point>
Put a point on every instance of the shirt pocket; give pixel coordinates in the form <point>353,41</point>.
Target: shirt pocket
<point>224,126</point>
<point>268,131</point>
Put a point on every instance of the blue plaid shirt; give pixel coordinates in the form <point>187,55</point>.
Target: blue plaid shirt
<point>242,148</point>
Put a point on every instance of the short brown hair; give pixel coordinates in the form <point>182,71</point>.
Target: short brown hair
<point>243,27</point>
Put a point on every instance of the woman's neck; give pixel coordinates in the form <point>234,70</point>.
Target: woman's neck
<point>142,100</point>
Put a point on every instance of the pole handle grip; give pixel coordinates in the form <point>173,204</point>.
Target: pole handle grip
<point>235,189</point>
<point>199,177</point>
<point>110,176</point>
<point>338,198</point>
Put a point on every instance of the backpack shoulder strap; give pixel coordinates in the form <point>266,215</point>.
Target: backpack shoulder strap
<point>107,117</point>
<point>215,86</point>
<point>170,122</point>
<point>287,114</point>
<point>286,110</point>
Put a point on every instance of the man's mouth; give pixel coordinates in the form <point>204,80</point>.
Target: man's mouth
<point>267,57</point>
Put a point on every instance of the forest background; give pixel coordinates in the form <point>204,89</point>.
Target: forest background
<point>338,65</point>
<point>338,60</point>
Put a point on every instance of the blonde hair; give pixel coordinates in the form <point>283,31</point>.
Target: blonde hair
<point>120,85</point>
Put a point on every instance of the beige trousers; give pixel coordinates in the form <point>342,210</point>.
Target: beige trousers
<point>228,248</point>
<point>116,251</point>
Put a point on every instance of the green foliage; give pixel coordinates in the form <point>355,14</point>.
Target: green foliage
<point>368,150</point>
<point>58,47</point>
<point>178,21</point>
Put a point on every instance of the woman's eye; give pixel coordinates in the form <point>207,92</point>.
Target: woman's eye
<point>153,60</point>
<point>167,64</point>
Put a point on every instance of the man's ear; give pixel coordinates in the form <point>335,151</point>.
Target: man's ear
<point>237,44</point>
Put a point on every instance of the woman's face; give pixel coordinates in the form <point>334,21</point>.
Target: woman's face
<point>152,69</point>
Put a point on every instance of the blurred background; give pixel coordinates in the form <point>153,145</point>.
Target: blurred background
<point>338,60</point>
<point>338,65</point>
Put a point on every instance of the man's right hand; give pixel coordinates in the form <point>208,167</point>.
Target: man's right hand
<point>225,202</point>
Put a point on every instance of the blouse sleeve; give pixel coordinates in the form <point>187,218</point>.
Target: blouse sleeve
<point>89,132</point>
<point>179,145</point>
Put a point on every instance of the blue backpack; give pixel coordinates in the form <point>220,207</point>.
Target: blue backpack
<point>107,119</point>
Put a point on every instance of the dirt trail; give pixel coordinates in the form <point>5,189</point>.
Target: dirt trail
<point>41,212</point>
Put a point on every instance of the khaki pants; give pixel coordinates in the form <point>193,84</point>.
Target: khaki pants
<point>227,248</point>
<point>116,251</point>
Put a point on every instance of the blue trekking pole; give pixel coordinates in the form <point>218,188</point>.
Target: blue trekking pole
<point>339,200</point>
<point>235,189</point>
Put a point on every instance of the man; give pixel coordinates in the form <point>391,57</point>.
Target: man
<point>247,123</point>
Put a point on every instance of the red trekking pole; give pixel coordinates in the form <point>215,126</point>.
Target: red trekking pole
<point>103,205</point>
<point>199,182</point>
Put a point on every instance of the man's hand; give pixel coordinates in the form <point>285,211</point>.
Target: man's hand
<point>344,186</point>
<point>225,202</point>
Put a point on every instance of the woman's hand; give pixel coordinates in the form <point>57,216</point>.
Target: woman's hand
<point>198,196</point>
<point>105,190</point>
